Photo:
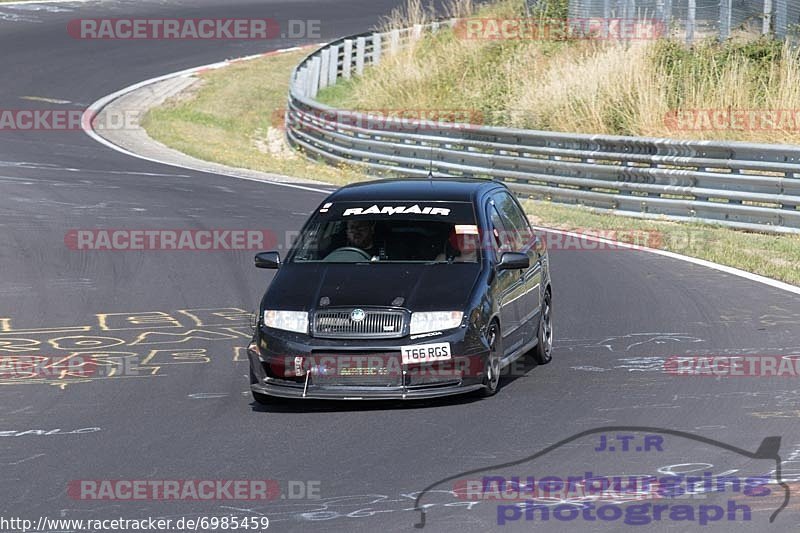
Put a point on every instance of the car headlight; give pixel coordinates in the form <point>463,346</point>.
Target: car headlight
<point>435,321</point>
<point>286,320</point>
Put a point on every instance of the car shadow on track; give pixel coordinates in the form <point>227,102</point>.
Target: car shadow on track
<point>289,405</point>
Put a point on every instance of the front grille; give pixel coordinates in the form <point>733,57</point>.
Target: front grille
<point>377,324</point>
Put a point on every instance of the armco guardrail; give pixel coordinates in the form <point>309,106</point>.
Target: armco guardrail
<point>748,186</point>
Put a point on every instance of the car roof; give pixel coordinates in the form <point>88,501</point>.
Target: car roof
<point>416,189</point>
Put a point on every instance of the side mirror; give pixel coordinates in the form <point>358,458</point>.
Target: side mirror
<point>268,260</point>
<point>513,261</point>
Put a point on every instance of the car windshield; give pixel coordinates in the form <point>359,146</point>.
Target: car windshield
<point>357,232</point>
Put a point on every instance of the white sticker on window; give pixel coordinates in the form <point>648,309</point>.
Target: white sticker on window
<point>466,229</point>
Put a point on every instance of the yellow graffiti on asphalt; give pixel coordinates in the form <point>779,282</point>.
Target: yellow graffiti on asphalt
<point>239,354</point>
<point>120,346</point>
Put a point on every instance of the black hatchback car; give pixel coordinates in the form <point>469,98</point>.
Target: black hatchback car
<point>401,289</point>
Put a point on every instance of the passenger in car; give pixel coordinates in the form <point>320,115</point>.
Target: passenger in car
<point>460,248</point>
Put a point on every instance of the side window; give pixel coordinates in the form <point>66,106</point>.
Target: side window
<point>500,233</point>
<point>515,220</point>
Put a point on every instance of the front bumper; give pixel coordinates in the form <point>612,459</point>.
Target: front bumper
<point>272,362</point>
<point>283,390</point>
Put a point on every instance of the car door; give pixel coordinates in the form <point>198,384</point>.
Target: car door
<point>509,285</point>
<point>523,240</point>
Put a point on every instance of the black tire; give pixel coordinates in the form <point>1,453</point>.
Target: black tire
<point>491,379</point>
<point>543,353</point>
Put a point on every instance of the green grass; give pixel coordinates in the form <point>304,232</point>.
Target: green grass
<point>587,86</point>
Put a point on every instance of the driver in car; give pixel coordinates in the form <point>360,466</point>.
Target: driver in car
<point>361,234</point>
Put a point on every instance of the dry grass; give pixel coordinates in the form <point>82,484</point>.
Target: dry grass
<point>235,118</point>
<point>587,86</point>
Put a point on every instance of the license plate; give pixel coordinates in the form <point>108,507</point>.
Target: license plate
<point>425,353</point>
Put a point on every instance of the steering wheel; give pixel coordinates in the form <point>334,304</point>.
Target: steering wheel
<point>346,253</point>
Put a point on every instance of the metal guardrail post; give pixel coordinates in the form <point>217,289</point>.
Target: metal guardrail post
<point>361,45</point>
<point>333,65</point>
<point>306,76</point>
<point>347,60</point>
<point>766,23</point>
<point>725,14</point>
<point>377,42</point>
<point>299,81</point>
<point>316,63</point>
<point>324,67</point>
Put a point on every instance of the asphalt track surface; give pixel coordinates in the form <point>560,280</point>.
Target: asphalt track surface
<point>182,318</point>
